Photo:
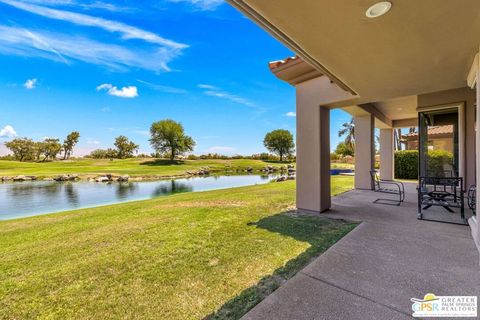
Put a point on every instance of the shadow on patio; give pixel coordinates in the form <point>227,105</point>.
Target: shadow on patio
<point>374,271</point>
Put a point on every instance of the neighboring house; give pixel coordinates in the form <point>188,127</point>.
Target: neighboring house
<point>390,66</point>
<point>439,138</point>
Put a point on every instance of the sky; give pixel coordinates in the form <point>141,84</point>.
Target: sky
<point>107,68</point>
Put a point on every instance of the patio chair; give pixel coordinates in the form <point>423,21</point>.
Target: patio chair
<point>446,192</point>
<point>472,201</point>
<point>389,187</point>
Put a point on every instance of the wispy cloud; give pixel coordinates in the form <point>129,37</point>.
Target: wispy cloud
<point>105,109</point>
<point>207,86</point>
<point>153,54</point>
<point>86,5</point>
<point>126,31</point>
<point>163,88</point>
<point>8,132</point>
<point>125,92</point>
<point>217,92</point>
<point>30,84</point>
<point>66,47</point>
<point>291,114</point>
<point>201,4</point>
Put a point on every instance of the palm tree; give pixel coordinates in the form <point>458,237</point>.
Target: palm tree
<point>348,129</point>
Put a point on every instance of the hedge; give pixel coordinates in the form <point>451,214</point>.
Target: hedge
<point>406,163</point>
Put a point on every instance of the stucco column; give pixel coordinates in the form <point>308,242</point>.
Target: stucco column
<point>386,154</point>
<point>313,154</point>
<point>474,221</point>
<point>364,151</point>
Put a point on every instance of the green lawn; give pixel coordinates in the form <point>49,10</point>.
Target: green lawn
<point>340,165</point>
<point>184,256</point>
<point>132,167</point>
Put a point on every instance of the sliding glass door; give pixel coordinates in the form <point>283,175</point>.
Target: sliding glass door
<point>438,143</point>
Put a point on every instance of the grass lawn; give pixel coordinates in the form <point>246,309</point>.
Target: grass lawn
<point>132,167</point>
<point>185,256</point>
<point>340,165</point>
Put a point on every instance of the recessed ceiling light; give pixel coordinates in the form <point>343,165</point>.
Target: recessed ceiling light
<point>378,9</point>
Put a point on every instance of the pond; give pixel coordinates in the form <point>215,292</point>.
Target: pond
<point>24,199</point>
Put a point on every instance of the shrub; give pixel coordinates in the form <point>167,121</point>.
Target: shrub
<point>103,154</point>
<point>406,164</point>
<point>335,156</point>
<point>437,160</point>
<point>345,149</point>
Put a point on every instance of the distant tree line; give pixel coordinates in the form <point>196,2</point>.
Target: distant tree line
<point>167,138</point>
<point>124,148</point>
<point>25,149</point>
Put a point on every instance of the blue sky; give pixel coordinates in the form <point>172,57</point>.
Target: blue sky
<point>109,68</point>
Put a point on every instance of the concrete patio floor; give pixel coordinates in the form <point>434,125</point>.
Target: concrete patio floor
<point>374,271</point>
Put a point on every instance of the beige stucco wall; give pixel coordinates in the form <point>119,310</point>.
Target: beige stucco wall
<point>364,151</point>
<point>474,221</point>
<point>386,154</point>
<point>313,152</point>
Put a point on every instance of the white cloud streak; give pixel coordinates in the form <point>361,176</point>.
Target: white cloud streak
<point>125,92</point>
<point>127,32</point>
<point>162,88</point>
<point>217,92</point>
<point>207,86</point>
<point>154,54</point>
<point>291,114</point>
<point>30,84</point>
<point>205,5</point>
<point>65,48</point>
<point>8,132</point>
<point>86,5</point>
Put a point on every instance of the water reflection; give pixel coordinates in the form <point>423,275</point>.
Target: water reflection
<point>22,199</point>
<point>171,188</point>
<point>125,189</point>
<point>71,194</point>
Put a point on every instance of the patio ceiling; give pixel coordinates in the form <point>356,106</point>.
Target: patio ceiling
<point>417,47</point>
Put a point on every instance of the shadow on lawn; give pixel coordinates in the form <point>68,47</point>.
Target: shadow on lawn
<point>320,233</point>
<point>162,162</point>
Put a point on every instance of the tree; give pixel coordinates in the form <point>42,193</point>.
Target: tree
<point>38,150</point>
<point>69,143</point>
<point>345,149</point>
<point>23,148</point>
<point>397,139</point>
<point>125,147</point>
<point>168,136</point>
<point>280,142</point>
<point>348,130</point>
<point>103,154</point>
<point>50,148</point>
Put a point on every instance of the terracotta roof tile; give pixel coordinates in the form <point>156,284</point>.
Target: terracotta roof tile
<point>279,63</point>
<point>447,129</point>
